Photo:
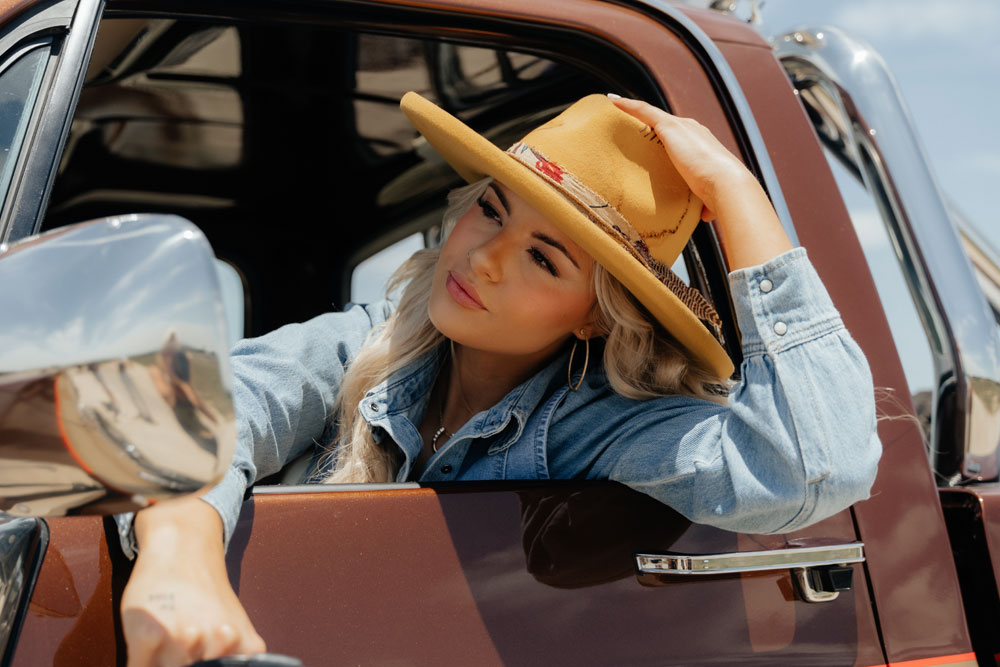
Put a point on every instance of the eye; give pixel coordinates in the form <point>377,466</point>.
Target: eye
<point>488,209</point>
<point>541,260</point>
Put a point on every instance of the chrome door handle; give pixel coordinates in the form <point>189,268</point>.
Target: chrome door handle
<point>751,561</point>
<point>799,559</point>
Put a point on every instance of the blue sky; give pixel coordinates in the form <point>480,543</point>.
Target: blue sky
<point>944,56</point>
<point>944,59</point>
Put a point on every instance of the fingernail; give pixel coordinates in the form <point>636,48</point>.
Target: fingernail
<point>614,96</point>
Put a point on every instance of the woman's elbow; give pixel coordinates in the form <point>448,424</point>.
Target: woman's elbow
<point>849,480</point>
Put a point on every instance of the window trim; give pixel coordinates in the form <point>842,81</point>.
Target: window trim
<point>34,173</point>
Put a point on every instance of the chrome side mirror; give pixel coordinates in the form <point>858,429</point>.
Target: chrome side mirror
<point>115,385</point>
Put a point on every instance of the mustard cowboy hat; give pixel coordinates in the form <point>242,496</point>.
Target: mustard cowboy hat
<point>603,178</point>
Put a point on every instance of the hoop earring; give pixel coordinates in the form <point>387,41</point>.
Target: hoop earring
<point>586,360</point>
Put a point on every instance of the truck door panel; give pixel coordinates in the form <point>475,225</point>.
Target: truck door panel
<point>543,574</point>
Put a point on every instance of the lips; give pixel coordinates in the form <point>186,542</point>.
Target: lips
<point>462,291</point>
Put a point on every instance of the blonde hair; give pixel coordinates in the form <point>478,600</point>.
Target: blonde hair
<point>641,359</point>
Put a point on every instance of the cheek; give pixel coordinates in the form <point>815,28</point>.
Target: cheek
<point>559,310</point>
<point>466,234</point>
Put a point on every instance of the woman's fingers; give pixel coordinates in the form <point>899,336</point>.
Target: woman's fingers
<point>150,644</point>
<point>172,616</point>
<point>225,639</point>
<point>644,111</point>
<point>750,230</point>
<point>222,640</point>
<point>707,166</point>
<point>143,637</point>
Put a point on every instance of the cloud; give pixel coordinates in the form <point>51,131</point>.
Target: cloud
<point>909,20</point>
<point>870,229</point>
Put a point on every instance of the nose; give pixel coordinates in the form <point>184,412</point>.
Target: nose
<point>487,260</point>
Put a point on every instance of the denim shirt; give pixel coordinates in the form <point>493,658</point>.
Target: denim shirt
<point>795,444</point>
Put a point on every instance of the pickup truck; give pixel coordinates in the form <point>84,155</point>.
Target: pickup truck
<point>273,128</point>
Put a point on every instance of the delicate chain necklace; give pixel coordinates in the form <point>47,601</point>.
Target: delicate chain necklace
<point>461,393</point>
<point>441,430</point>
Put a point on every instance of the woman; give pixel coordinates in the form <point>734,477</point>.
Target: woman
<point>547,338</point>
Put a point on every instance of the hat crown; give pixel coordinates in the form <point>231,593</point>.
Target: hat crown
<point>623,160</point>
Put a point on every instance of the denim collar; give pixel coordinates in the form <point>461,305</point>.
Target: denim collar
<point>397,405</point>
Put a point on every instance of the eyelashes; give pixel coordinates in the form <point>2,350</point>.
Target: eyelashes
<point>488,209</point>
<point>537,256</point>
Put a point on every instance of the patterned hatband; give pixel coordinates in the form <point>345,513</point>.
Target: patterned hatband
<point>611,221</point>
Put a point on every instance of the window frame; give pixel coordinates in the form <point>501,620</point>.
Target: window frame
<point>72,26</point>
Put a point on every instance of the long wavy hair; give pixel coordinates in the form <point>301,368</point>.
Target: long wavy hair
<point>641,359</point>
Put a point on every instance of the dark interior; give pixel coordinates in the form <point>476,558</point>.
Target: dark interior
<point>281,137</point>
<point>284,143</point>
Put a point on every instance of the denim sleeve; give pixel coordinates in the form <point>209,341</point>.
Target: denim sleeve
<point>798,441</point>
<point>285,385</point>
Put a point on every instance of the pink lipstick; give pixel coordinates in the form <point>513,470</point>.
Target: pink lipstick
<point>463,292</point>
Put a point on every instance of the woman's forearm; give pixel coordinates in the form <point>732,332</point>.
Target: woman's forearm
<point>186,523</point>
<point>748,227</point>
<point>178,606</point>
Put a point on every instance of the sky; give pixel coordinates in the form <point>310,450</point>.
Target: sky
<point>109,290</point>
<point>944,57</point>
<point>946,66</point>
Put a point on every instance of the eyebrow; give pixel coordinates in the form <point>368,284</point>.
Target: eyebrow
<point>497,188</point>
<point>555,244</point>
<point>544,238</point>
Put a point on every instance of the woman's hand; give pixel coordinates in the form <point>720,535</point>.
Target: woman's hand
<point>750,230</point>
<point>178,606</point>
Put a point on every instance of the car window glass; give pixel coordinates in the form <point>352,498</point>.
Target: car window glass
<point>284,143</point>
<point>984,257</point>
<point>368,282</point>
<point>904,322</point>
<point>19,84</point>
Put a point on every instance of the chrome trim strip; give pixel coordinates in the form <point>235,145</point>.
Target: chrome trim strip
<point>332,488</point>
<point>731,87</point>
<point>860,115</point>
<point>750,561</point>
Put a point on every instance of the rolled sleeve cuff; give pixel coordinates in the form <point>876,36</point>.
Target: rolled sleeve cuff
<point>781,303</point>
<point>227,499</point>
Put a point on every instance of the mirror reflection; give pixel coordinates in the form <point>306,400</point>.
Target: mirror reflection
<point>115,387</point>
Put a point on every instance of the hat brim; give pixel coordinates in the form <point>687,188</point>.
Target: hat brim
<point>474,157</point>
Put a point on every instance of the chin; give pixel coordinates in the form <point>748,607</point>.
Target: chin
<point>448,321</point>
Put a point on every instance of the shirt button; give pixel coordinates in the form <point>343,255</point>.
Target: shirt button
<point>780,328</point>
<point>766,286</point>
<point>446,468</point>
<point>373,406</point>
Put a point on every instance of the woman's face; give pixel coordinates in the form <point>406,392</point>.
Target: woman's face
<point>508,281</point>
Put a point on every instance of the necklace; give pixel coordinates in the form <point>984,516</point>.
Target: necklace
<point>441,430</point>
<point>461,393</point>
